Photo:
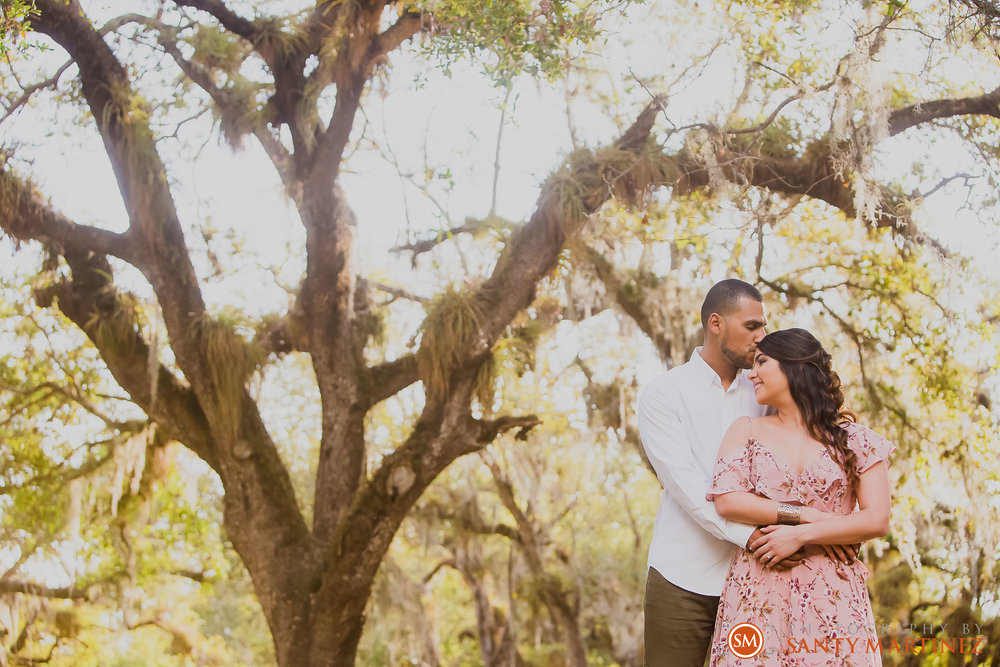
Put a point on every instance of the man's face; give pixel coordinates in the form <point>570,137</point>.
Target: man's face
<point>740,332</point>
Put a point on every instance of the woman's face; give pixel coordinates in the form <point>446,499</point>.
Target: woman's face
<point>769,381</point>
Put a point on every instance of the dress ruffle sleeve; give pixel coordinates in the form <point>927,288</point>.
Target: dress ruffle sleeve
<point>733,472</point>
<point>869,446</point>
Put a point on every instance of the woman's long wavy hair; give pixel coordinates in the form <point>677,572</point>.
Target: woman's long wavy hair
<point>815,388</point>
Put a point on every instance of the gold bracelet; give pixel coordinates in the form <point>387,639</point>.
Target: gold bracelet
<point>789,515</point>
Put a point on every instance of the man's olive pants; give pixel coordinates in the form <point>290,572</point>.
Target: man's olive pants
<point>678,625</point>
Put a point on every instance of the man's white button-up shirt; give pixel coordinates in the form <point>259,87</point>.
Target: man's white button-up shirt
<point>683,415</point>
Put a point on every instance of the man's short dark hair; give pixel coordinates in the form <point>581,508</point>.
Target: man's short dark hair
<point>725,296</point>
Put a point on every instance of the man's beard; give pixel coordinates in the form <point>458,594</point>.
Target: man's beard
<point>735,358</point>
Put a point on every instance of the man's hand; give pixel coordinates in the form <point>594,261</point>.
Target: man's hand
<point>845,553</point>
<point>789,562</point>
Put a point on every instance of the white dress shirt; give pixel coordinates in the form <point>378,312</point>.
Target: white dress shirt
<point>683,415</point>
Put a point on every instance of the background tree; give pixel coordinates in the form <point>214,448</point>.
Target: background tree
<point>788,177</point>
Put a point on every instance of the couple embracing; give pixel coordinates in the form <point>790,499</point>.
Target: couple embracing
<point>769,485</point>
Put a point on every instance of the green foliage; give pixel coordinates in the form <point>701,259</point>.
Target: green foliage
<point>508,38</point>
<point>15,23</point>
<point>92,498</point>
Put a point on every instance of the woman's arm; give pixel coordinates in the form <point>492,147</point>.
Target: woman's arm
<point>746,507</point>
<point>871,520</point>
<point>759,511</point>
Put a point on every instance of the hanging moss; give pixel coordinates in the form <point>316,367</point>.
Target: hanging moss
<point>485,387</point>
<point>15,195</point>
<point>230,360</point>
<point>254,113</point>
<point>217,48</point>
<point>588,178</point>
<point>453,323</point>
<point>116,321</point>
<point>284,38</point>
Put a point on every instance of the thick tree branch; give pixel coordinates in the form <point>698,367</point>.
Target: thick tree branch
<point>408,25</point>
<point>40,590</point>
<point>984,105</point>
<point>25,216</point>
<point>567,199</point>
<point>229,20</point>
<point>816,175</point>
<point>88,299</point>
<point>160,251</point>
<point>90,302</point>
<point>489,429</point>
<point>358,50</point>
<point>390,377</point>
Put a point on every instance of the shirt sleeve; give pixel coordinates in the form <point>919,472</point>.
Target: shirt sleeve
<point>869,446</point>
<point>664,440</point>
<point>732,473</point>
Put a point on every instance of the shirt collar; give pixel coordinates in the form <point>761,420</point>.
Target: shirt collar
<point>708,374</point>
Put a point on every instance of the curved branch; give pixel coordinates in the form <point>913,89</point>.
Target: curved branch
<point>32,89</point>
<point>89,301</point>
<point>390,377</point>
<point>815,174</point>
<point>40,590</point>
<point>408,25</point>
<point>472,226</point>
<point>983,105</point>
<point>231,21</point>
<point>566,200</point>
<point>489,429</point>
<point>25,215</point>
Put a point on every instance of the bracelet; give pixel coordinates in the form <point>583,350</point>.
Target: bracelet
<point>789,515</point>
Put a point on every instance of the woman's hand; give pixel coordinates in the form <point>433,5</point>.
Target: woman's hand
<point>776,543</point>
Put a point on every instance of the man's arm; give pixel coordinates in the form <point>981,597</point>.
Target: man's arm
<point>664,439</point>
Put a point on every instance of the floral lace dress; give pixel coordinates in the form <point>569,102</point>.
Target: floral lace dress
<point>819,612</point>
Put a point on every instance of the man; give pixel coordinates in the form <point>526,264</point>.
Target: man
<point>683,415</point>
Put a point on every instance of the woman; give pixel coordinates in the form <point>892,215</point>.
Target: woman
<point>806,467</point>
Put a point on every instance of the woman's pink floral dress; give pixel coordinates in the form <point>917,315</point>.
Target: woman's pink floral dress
<point>819,612</point>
